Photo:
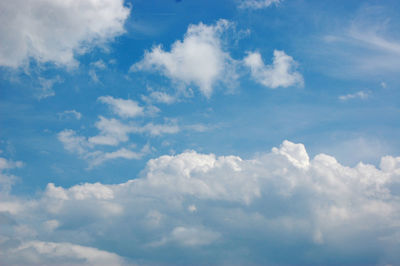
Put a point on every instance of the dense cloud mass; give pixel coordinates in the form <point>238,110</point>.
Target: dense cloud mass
<point>203,208</point>
<point>199,59</point>
<point>54,30</point>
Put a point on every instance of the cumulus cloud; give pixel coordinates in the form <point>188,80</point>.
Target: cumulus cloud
<point>193,204</point>
<point>282,72</point>
<point>257,4</point>
<point>54,31</point>
<point>199,59</point>
<point>121,107</point>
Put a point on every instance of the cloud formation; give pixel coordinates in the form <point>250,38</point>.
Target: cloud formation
<point>257,4</point>
<point>193,204</point>
<point>357,95</point>
<point>282,72</point>
<point>199,59</point>
<point>121,107</point>
<point>54,31</point>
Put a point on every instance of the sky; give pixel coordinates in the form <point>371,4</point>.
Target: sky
<point>230,132</point>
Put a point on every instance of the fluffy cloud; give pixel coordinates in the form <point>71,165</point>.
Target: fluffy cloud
<point>199,59</point>
<point>121,107</point>
<point>282,72</point>
<point>257,4</point>
<point>191,204</point>
<point>54,31</point>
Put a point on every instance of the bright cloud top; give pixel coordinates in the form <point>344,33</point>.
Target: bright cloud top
<point>200,202</point>
<point>53,31</point>
<point>199,59</point>
<point>282,72</point>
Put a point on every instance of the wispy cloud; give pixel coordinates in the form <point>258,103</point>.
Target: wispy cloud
<point>357,95</point>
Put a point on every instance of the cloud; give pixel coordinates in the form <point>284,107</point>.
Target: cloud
<point>191,204</point>
<point>55,31</point>
<point>159,97</point>
<point>257,4</point>
<point>46,87</point>
<point>121,107</point>
<point>366,47</point>
<point>70,113</point>
<point>199,59</point>
<point>6,179</point>
<point>282,72</point>
<point>112,132</point>
<point>358,95</point>
<point>43,253</point>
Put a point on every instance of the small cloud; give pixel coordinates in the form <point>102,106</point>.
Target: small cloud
<point>358,95</point>
<point>46,87</point>
<point>121,107</point>
<point>281,73</point>
<point>257,4</point>
<point>99,64</point>
<point>70,114</point>
<point>383,85</point>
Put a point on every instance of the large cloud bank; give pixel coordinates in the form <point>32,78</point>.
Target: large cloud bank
<point>279,207</point>
<point>55,30</point>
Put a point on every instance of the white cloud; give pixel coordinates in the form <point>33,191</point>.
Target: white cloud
<point>358,95</point>
<point>54,31</point>
<point>199,59</point>
<point>6,179</point>
<point>367,46</point>
<point>257,4</point>
<point>280,199</point>
<point>121,107</point>
<point>112,132</point>
<point>46,253</point>
<point>46,87</point>
<point>70,113</point>
<point>159,97</point>
<point>282,72</point>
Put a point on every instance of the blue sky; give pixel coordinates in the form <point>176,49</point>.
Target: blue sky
<point>199,132</point>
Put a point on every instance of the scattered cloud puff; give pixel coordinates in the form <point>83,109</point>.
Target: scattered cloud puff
<point>282,72</point>
<point>110,135</point>
<point>358,95</point>
<point>257,4</point>
<point>6,179</point>
<point>121,107</point>
<point>113,132</point>
<point>70,113</point>
<point>193,204</point>
<point>199,59</point>
<point>54,31</point>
